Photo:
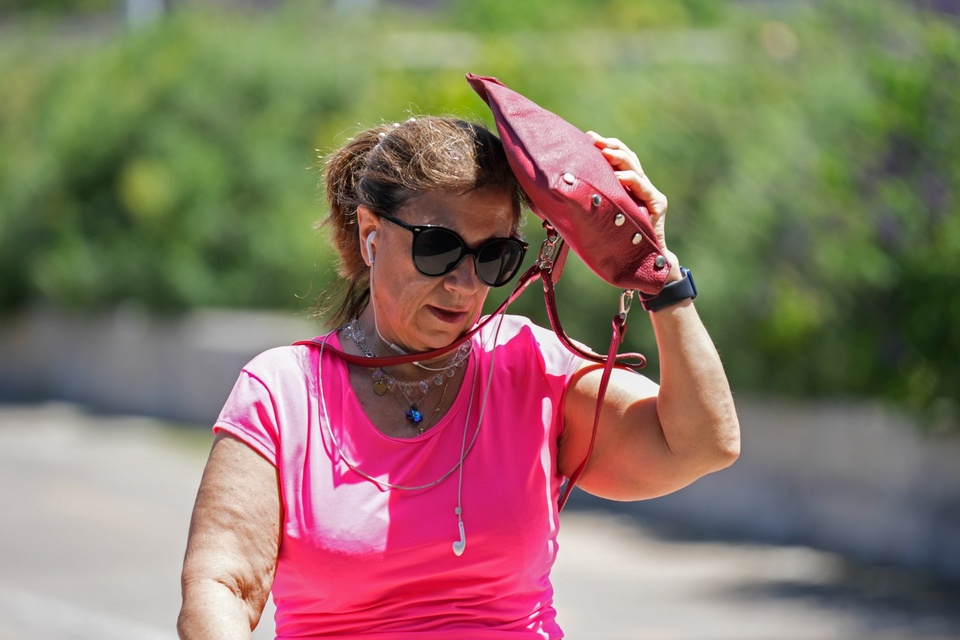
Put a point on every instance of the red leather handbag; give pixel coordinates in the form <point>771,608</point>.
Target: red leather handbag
<point>572,187</point>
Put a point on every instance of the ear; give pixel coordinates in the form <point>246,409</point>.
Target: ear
<point>368,224</point>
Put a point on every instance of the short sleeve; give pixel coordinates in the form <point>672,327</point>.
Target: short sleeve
<point>558,360</point>
<point>250,414</point>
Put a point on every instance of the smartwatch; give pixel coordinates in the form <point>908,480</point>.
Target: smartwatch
<point>672,293</point>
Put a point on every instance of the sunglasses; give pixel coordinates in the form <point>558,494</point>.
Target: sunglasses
<point>437,251</point>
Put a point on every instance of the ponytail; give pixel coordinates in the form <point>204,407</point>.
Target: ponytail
<point>349,294</point>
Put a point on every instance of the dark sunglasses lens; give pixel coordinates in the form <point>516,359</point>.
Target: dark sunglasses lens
<point>499,260</point>
<point>436,251</point>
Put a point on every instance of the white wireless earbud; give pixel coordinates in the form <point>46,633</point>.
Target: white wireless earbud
<point>370,238</point>
<point>460,544</point>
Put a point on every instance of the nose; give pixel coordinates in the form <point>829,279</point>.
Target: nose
<point>464,277</point>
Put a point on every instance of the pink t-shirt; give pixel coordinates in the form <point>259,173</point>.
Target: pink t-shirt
<point>360,560</point>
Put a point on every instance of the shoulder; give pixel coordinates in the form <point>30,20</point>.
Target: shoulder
<point>278,359</point>
<point>507,328</point>
<point>280,366</point>
<point>519,338</point>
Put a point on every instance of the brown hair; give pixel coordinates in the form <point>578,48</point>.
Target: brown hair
<point>385,167</point>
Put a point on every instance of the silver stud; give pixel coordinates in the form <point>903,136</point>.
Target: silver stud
<point>596,199</point>
<point>660,262</point>
<point>636,239</point>
<point>569,178</point>
<point>619,219</point>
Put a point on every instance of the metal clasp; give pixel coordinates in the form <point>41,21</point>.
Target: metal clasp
<point>548,251</point>
<point>626,301</point>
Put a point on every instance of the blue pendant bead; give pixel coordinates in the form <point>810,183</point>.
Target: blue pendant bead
<point>414,415</point>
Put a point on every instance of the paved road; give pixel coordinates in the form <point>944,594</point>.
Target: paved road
<point>94,513</point>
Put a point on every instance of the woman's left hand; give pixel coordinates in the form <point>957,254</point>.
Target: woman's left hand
<point>629,171</point>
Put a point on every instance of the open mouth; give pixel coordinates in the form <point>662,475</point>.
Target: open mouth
<point>449,315</point>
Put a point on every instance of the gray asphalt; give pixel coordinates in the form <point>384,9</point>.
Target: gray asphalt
<point>94,513</point>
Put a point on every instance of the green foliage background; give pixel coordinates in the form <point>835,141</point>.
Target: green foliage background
<point>810,154</point>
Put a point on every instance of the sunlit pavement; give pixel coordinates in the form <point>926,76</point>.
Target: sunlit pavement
<point>94,513</point>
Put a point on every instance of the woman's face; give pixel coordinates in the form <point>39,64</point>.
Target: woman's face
<point>419,312</point>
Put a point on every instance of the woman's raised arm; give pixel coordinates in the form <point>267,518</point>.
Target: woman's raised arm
<point>653,439</point>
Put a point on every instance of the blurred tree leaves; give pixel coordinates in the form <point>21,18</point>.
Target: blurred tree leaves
<point>809,151</point>
<point>170,166</point>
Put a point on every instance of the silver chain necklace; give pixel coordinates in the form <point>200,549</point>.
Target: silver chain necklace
<point>384,382</point>
<point>464,449</point>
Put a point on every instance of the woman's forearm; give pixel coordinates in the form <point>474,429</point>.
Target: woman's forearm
<point>212,611</point>
<point>695,405</point>
<point>233,544</point>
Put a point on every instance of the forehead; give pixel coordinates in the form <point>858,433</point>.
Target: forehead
<point>480,213</point>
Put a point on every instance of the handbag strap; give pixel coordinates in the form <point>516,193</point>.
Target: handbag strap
<point>389,361</point>
<point>619,328</point>
<point>558,252</point>
<point>633,360</point>
<point>548,267</point>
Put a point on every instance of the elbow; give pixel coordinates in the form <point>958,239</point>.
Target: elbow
<point>727,447</point>
<point>185,623</point>
<point>215,602</point>
<point>713,443</point>
<point>728,454</point>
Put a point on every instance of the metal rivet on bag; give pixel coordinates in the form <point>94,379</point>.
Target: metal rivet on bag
<point>569,178</point>
<point>660,262</point>
<point>596,199</point>
<point>636,239</point>
<point>619,219</point>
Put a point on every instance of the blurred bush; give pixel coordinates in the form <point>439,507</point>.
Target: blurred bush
<point>56,7</point>
<point>170,166</point>
<point>808,150</point>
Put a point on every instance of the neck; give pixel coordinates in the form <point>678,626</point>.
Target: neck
<point>375,344</point>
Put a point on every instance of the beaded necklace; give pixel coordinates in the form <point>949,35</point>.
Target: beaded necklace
<point>465,448</point>
<point>384,382</point>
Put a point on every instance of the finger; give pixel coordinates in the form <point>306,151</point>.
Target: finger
<point>597,138</point>
<point>622,159</point>
<point>643,190</point>
<point>606,143</point>
<point>627,166</point>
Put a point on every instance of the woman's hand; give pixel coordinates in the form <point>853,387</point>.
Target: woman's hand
<point>630,172</point>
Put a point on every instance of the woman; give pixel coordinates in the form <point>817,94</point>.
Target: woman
<point>420,500</point>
